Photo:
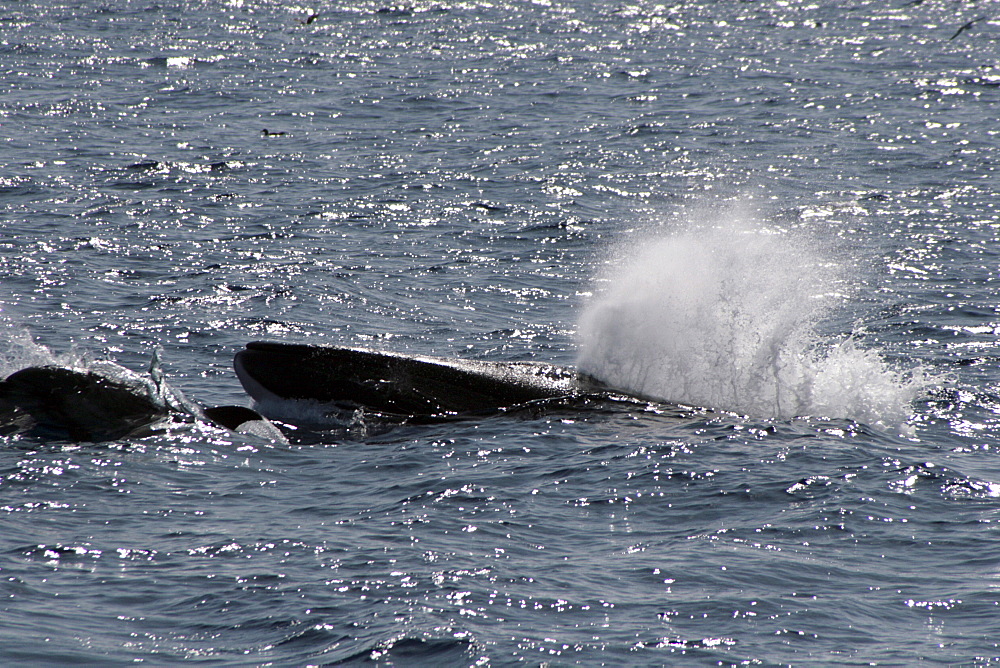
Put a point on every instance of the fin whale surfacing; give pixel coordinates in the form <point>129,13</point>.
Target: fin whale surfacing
<point>398,385</point>
<point>55,402</point>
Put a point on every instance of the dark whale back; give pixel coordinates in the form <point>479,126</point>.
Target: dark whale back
<point>394,384</point>
<point>76,405</point>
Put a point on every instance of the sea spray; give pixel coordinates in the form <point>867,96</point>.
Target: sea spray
<point>18,350</point>
<point>725,316</point>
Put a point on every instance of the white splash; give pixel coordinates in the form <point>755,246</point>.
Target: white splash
<point>19,350</point>
<point>724,316</point>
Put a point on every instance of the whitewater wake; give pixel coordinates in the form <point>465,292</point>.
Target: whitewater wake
<point>724,315</point>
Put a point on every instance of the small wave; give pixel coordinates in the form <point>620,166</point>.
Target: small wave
<point>413,650</point>
<point>725,316</point>
<point>62,554</point>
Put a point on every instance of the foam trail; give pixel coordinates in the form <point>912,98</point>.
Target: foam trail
<point>724,316</point>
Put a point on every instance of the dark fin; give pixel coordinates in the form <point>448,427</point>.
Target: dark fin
<point>231,417</point>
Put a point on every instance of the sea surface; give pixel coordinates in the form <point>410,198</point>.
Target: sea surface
<point>776,221</point>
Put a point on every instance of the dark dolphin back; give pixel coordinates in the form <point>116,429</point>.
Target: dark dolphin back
<point>73,404</point>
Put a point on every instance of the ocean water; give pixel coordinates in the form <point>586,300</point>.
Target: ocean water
<point>777,223</point>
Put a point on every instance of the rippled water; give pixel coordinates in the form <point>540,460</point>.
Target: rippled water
<point>469,179</point>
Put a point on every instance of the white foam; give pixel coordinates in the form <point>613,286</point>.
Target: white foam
<point>724,315</point>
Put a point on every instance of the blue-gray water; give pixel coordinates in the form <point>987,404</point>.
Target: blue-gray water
<point>802,197</point>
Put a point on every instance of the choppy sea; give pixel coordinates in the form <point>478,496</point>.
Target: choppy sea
<point>779,222</point>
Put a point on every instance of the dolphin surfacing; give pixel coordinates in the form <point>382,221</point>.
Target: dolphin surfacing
<point>397,385</point>
<point>76,405</point>
<point>67,404</point>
